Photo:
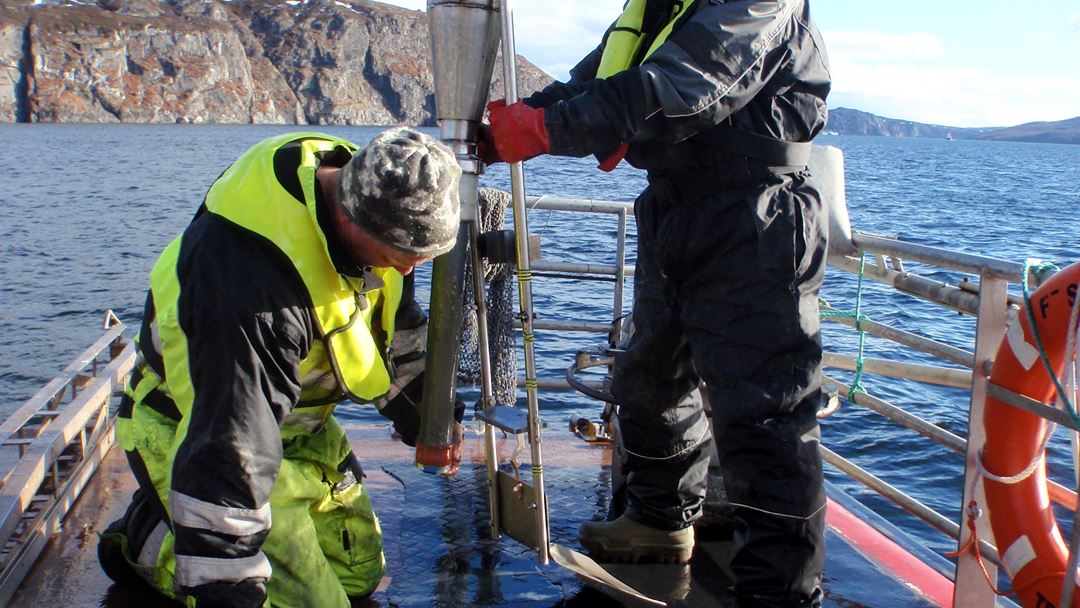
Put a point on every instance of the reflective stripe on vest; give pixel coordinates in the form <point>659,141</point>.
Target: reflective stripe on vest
<point>623,44</point>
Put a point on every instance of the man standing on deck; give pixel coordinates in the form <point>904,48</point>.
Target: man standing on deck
<point>289,292</point>
<point>717,100</point>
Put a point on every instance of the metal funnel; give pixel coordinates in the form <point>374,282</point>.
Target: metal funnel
<point>464,39</point>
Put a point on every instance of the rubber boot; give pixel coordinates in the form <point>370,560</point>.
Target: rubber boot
<point>625,540</point>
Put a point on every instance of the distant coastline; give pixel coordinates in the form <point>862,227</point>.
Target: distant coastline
<point>845,121</point>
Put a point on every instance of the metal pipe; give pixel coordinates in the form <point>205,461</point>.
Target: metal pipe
<point>926,345</point>
<point>521,232</point>
<point>911,421</point>
<point>606,270</point>
<point>487,391</point>
<point>1028,404</point>
<point>601,269</point>
<point>904,501</point>
<point>584,205</point>
<point>930,374</point>
<point>934,291</point>
<point>464,41</point>
<point>601,328</point>
<point>620,279</point>
<point>434,442</point>
<point>987,267</point>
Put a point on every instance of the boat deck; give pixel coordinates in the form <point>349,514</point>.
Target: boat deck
<point>438,552</point>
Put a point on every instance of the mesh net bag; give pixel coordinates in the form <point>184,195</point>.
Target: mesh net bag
<point>499,301</point>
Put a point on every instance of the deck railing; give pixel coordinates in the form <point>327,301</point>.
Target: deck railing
<point>51,446</point>
<point>983,295</point>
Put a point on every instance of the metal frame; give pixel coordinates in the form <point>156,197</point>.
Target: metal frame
<point>984,296</point>
<point>61,434</point>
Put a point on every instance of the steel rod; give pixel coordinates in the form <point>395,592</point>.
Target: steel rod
<point>904,501</point>
<point>932,347</point>
<point>987,267</point>
<point>930,374</point>
<point>602,269</point>
<point>1028,404</point>
<point>521,233</point>
<point>926,429</point>
<point>934,291</point>
<point>555,203</point>
<point>487,392</point>
<point>620,280</point>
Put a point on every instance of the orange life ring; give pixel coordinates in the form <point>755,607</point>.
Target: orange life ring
<point>1025,530</point>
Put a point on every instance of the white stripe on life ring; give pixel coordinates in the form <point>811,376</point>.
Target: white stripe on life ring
<point>1025,353</point>
<point>1018,555</point>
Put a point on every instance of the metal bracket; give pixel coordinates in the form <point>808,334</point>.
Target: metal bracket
<point>514,420</point>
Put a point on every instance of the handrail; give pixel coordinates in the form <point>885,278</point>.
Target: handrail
<point>986,296</point>
<point>985,266</point>
<point>57,456</point>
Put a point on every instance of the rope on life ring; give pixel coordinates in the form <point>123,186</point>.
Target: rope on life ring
<point>1012,459</point>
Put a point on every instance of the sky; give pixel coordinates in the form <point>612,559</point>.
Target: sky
<point>962,63</point>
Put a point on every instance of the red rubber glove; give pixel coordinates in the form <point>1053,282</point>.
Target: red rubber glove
<point>518,131</point>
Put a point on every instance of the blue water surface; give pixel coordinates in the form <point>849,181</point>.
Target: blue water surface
<point>85,209</point>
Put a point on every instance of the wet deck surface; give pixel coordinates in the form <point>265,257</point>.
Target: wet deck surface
<point>436,541</point>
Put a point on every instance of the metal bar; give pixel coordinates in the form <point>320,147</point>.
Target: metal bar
<point>904,501</point>
<point>913,284</point>
<point>1058,493</point>
<point>930,374</point>
<point>487,392</point>
<point>28,475</point>
<point>1030,405</point>
<point>22,559</point>
<point>521,232</point>
<point>602,269</point>
<point>57,385</point>
<point>926,429</point>
<point>555,203</point>
<point>926,345</point>
<point>602,328</point>
<point>620,280</point>
<point>990,329</point>
<point>987,267</point>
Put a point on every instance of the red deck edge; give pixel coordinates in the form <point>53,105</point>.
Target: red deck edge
<point>890,556</point>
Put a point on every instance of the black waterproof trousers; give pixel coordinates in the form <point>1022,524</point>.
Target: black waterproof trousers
<point>726,288</point>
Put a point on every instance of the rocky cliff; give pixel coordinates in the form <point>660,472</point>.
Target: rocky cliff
<point>219,61</point>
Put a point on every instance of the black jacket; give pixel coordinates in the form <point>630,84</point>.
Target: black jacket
<point>756,65</point>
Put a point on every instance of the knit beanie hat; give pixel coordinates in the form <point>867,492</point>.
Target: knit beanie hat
<point>402,189</point>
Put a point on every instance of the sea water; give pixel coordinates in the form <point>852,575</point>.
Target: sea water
<point>85,210</point>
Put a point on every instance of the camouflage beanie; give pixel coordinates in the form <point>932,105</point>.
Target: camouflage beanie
<point>402,189</point>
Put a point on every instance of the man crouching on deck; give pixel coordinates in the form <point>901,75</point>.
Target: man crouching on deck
<point>289,291</point>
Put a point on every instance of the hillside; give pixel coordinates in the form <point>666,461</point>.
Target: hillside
<point>845,121</point>
<point>349,62</point>
<point>353,62</point>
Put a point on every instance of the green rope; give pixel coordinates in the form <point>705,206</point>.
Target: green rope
<point>1039,267</point>
<point>856,383</point>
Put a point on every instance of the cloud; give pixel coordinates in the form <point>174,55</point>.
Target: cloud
<point>912,77</point>
<point>554,34</point>
<point>1074,21</point>
<point>880,46</point>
